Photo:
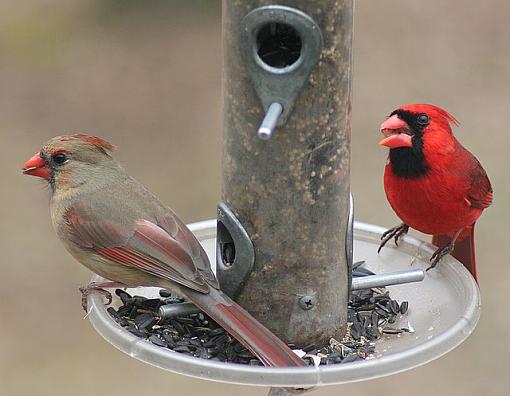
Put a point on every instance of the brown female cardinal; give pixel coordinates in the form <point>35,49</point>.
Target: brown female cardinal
<point>432,182</point>
<point>114,226</point>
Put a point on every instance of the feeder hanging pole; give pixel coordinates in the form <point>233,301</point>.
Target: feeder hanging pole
<point>289,192</point>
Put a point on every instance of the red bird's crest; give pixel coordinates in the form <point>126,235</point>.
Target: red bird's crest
<point>432,182</point>
<point>431,110</point>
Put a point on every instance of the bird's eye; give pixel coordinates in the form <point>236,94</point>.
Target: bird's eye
<point>423,119</point>
<point>59,158</point>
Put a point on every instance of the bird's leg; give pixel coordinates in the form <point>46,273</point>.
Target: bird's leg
<point>395,232</point>
<point>98,287</point>
<point>443,250</point>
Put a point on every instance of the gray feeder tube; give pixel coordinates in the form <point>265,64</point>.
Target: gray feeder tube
<point>290,192</point>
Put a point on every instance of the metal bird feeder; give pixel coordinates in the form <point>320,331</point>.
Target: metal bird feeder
<point>284,240</point>
<point>444,310</point>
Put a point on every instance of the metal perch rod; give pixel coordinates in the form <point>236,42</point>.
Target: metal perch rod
<point>391,278</point>
<point>269,122</point>
<point>366,282</point>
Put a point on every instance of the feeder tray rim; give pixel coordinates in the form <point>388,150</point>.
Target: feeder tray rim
<point>298,376</point>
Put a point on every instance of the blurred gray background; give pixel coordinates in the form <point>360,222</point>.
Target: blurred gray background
<point>146,75</point>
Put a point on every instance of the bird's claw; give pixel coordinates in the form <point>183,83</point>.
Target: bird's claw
<point>439,254</point>
<point>92,288</point>
<point>396,233</point>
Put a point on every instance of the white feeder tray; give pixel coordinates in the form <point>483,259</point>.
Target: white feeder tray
<point>443,310</point>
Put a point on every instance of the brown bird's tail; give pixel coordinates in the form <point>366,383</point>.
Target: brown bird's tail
<point>464,249</point>
<point>245,328</point>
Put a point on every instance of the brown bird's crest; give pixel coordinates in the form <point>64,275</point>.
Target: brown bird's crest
<point>96,141</point>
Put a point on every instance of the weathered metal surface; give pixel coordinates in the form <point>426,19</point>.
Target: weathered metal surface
<point>300,42</point>
<point>234,252</point>
<point>291,193</point>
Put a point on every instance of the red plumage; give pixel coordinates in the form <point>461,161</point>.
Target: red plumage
<point>435,186</point>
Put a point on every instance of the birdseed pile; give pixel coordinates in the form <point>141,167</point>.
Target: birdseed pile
<point>371,315</point>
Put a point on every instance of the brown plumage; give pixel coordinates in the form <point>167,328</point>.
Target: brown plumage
<point>118,229</point>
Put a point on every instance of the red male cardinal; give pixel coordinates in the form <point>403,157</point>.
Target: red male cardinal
<point>114,226</point>
<point>432,182</point>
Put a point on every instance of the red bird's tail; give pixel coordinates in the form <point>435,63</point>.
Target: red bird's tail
<point>245,328</point>
<point>464,250</point>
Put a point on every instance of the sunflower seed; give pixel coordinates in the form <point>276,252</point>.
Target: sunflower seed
<point>197,335</point>
<point>151,304</point>
<point>165,293</point>
<point>309,348</point>
<point>218,330</point>
<point>117,317</point>
<point>372,333</point>
<point>182,349</point>
<point>358,264</point>
<point>139,333</point>
<point>391,330</point>
<point>356,331</point>
<point>144,321</point>
<point>124,296</point>
<point>394,307</point>
<point>375,319</point>
<point>158,341</point>
<point>350,358</point>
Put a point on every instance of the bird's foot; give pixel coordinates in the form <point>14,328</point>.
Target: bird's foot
<point>440,253</point>
<point>97,287</point>
<point>395,232</point>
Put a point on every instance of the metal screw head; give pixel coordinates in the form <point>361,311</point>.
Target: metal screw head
<point>307,302</point>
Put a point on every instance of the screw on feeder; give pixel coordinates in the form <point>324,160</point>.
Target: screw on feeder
<point>307,302</point>
<point>270,121</point>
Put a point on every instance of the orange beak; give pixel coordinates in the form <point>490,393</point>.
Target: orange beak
<point>397,133</point>
<point>36,166</point>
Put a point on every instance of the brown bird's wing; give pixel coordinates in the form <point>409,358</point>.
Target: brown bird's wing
<point>181,233</point>
<point>479,194</point>
<point>142,244</point>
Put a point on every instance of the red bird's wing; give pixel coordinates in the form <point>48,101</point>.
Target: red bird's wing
<point>143,245</point>
<point>479,194</point>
